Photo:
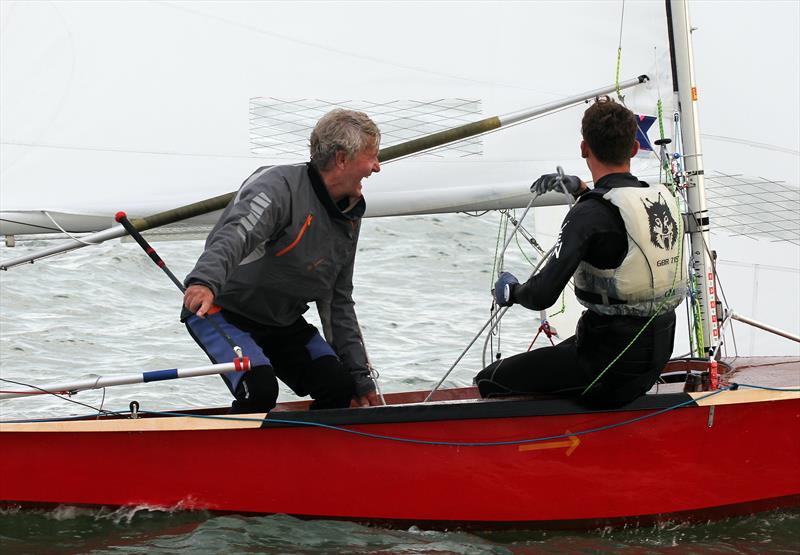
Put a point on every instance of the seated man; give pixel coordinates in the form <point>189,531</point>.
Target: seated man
<point>621,242</point>
<point>288,238</point>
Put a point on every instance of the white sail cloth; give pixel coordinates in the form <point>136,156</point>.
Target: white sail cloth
<point>144,107</point>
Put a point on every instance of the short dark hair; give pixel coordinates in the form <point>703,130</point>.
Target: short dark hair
<point>609,130</point>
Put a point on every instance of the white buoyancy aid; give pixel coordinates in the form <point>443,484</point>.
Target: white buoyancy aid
<point>652,275</point>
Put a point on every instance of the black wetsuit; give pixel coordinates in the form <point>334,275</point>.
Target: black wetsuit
<point>593,231</point>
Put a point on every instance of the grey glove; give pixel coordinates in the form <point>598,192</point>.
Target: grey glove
<point>363,382</point>
<point>550,182</point>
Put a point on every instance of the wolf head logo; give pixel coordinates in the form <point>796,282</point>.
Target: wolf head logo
<point>663,227</point>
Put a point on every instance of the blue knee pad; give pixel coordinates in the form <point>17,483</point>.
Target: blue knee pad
<point>220,351</point>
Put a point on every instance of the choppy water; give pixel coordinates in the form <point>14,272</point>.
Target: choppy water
<point>128,531</point>
<point>422,292</point>
<point>421,287</point>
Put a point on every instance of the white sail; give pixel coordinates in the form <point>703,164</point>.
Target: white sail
<point>144,107</point>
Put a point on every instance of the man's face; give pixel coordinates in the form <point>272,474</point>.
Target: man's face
<point>358,168</point>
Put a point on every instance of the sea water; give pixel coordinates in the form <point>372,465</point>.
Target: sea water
<point>422,288</point>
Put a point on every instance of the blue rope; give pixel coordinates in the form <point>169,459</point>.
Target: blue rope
<point>732,387</point>
<point>454,443</point>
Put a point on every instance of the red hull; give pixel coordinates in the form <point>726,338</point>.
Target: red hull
<point>695,461</point>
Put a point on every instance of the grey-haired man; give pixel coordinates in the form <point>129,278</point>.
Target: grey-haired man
<point>288,238</point>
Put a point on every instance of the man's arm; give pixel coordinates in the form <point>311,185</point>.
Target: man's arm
<point>340,325</point>
<point>542,290</point>
<point>257,211</point>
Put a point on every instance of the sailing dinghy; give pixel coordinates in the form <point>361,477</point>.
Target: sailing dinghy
<point>451,458</point>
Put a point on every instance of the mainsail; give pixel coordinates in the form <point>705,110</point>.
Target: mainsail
<point>147,107</point>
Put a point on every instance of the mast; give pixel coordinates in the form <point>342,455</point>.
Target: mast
<point>697,222</point>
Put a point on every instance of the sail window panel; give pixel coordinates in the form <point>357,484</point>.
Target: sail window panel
<point>754,207</point>
<point>790,236</point>
<point>788,195</point>
<point>281,127</point>
<point>745,219</point>
<point>783,226</point>
<point>749,208</point>
<point>746,189</point>
<point>721,182</point>
<point>739,204</point>
<point>773,231</point>
<point>764,229</point>
<point>721,211</point>
<point>788,220</point>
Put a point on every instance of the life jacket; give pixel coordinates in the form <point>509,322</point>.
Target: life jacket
<point>652,276</point>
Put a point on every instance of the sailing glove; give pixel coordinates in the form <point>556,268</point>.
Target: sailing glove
<point>502,289</point>
<point>363,382</point>
<point>551,182</point>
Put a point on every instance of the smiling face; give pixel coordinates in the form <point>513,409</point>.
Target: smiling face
<point>350,171</point>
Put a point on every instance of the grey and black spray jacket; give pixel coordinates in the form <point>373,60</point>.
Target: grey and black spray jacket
<point>280,244</point>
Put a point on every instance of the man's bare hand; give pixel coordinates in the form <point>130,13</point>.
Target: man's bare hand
<point>198,299</point>
<point>370,399</point>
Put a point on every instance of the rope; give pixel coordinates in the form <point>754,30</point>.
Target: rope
<point>694,314</point>
<point>619,50</point>
<point>731,387</point>
<point>544,327</point>
<point>496,250</point>
<point>659,103</point>
<point>500,315</point>
<point>67,233</point>
<point>456,443</point>
<point>519,246</point>
<point>563,308</point>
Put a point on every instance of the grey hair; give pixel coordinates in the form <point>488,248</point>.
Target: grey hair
<point>345,130</point>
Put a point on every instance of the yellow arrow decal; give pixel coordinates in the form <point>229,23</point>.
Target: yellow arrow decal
<point>571,443</point>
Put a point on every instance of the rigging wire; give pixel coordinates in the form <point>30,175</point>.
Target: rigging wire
<point>499,263</point>
<point>694,316</point>
<point>505,309</point>
<point>694,305</point>
<point>100,411</point>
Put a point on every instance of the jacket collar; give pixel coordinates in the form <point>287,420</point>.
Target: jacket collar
<point>334,209</point>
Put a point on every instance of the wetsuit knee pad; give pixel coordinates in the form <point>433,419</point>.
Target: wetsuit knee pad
<point>332,385</point>
<point>257,391</point>
<point>487,386</point>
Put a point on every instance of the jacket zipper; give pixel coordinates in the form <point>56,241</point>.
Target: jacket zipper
<point>293,244</point>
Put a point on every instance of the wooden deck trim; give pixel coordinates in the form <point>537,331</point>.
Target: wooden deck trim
<point>163,424</point>
<point>742,396</point>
